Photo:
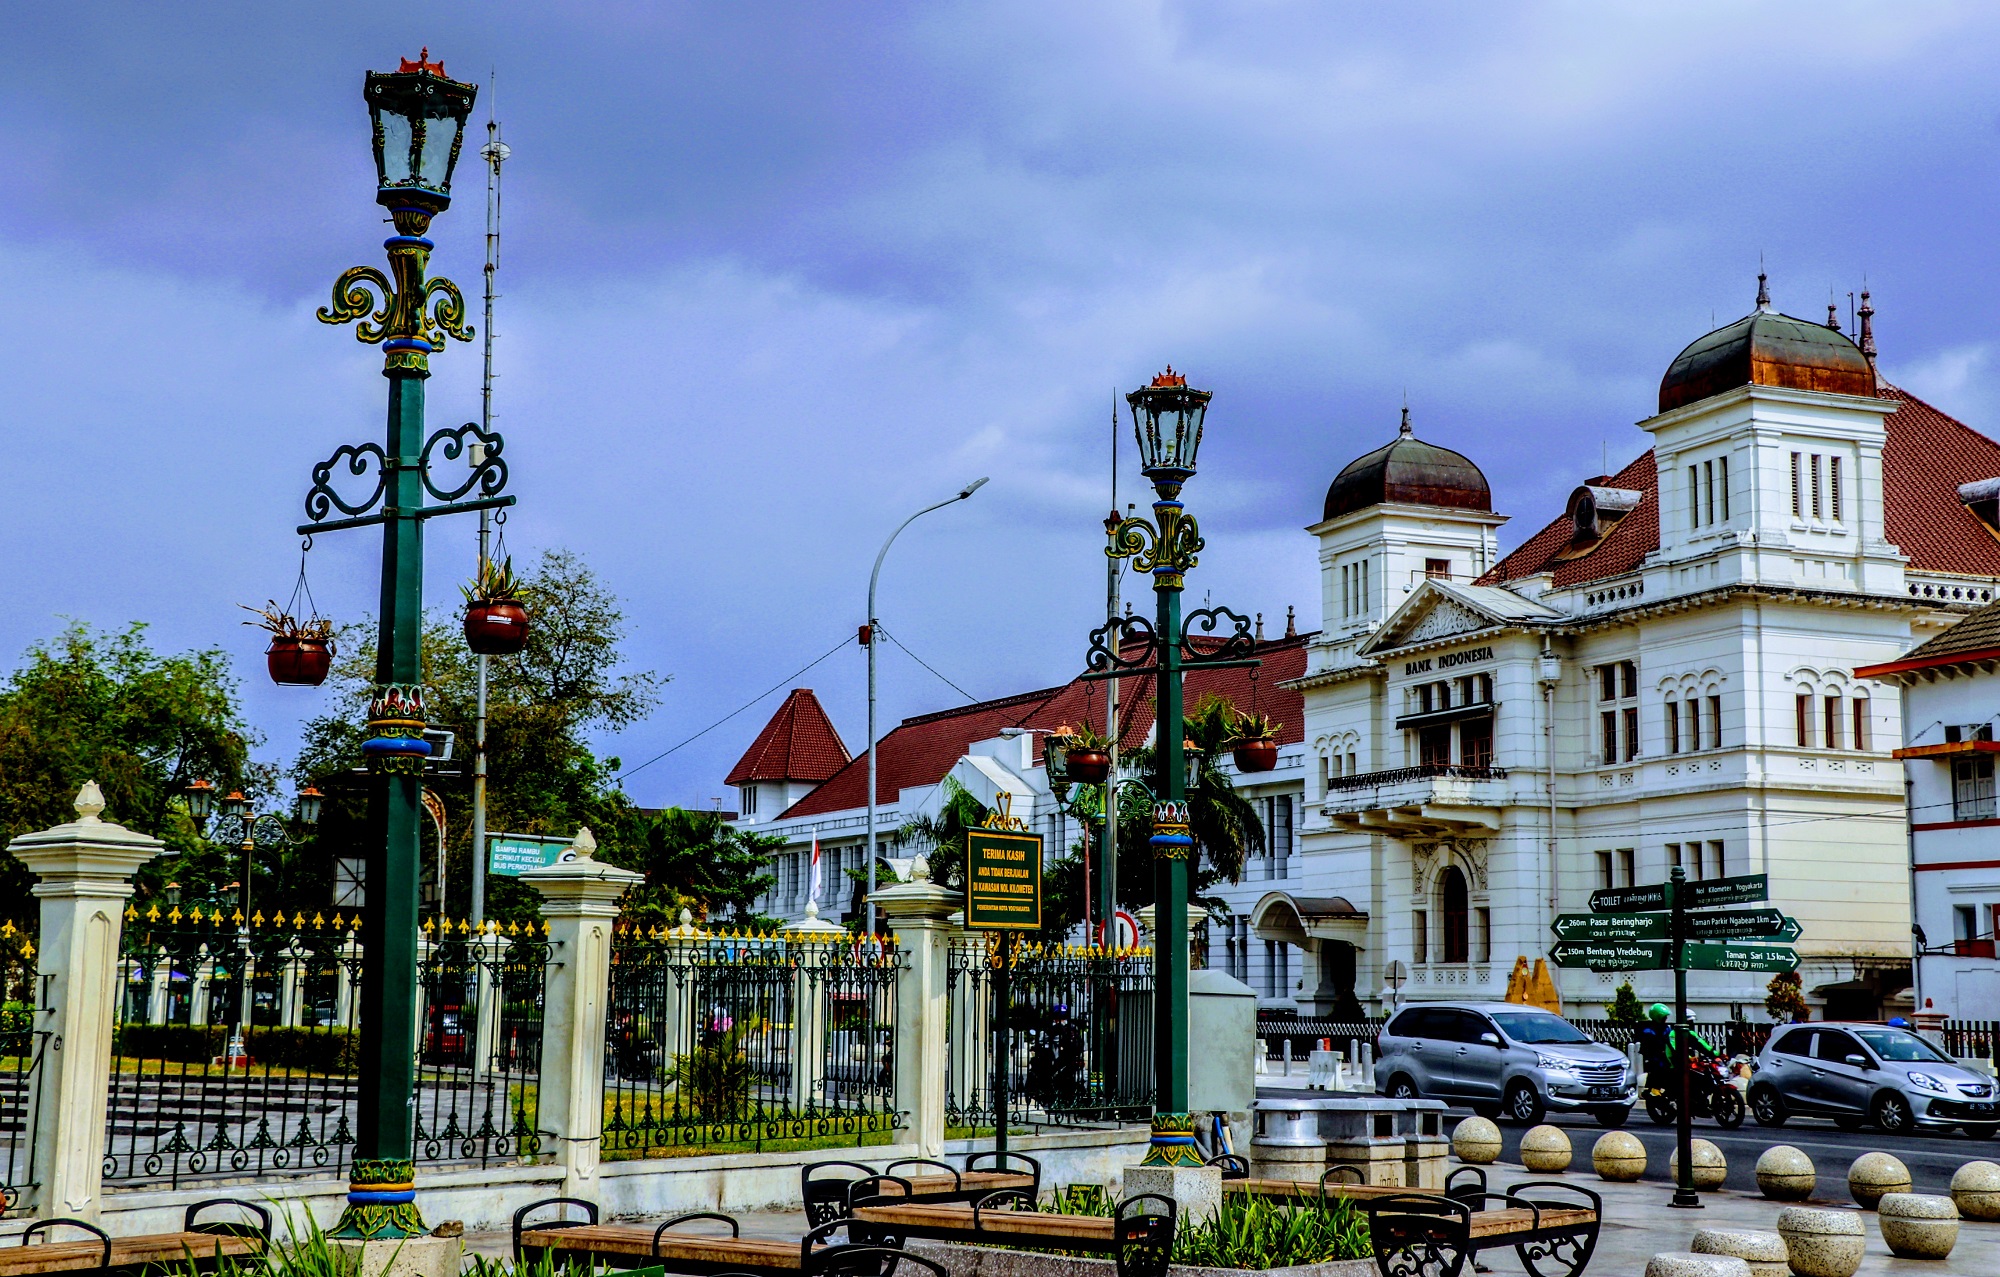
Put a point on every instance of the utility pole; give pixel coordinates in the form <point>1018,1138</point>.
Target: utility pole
<point>1107,860</point>
<point>494,153</point>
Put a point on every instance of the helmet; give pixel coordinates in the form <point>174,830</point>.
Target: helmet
<point>1898,1022</point>
<point>1658,1011</point>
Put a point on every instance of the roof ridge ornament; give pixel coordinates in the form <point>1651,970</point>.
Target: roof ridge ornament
<point>1404,429</point>
<point>1867,314</point>
<point>1763,290</point>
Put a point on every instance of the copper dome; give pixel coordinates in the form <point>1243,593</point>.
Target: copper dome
<point>1765,348</point>
<point>1409,471</point>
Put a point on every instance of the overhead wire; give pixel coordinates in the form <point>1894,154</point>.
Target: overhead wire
<point>969,697</point>
<point>619,779</point>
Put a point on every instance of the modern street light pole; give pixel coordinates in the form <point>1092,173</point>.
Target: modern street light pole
<point>419,123</point>
<point>868,641</point>
<point>1167,416</point>
<point>494,153</point>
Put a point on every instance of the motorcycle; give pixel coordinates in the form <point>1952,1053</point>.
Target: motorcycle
<point>1714,1092</point>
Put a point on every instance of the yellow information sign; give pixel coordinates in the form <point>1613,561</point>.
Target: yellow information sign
<point>1003,870</point>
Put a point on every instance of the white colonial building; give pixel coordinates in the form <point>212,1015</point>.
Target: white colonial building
<point>1951,703</point>
<point>1661,676</point>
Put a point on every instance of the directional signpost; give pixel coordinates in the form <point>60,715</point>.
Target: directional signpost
<point>1652,929</point>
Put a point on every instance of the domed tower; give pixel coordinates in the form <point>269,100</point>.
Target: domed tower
<point>1403,512</point>
<point>1768,445</point>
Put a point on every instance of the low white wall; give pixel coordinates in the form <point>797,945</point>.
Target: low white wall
<point>486,1199</point>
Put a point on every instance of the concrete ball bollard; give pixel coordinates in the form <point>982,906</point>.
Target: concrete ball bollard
<point>1476,1140</point>
<point>1918,1225</point>
<point>1764,1252</point>
<point>1822,1243</point>
<point>1786,1174</point>
<point>1875,1174</point>
<point>1618,1156</point>
<point>1710,1166</point>
<point>1682,1263</point>
<point>1545,1150</point>
<point>1976,1190</point>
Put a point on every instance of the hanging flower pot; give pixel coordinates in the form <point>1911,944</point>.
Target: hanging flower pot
<point>301,652</point>
<point>1086,757</point>
<point>495,622</point>
<point>298,662</point>
<point>1255,747</point>
<point>1254,755</point>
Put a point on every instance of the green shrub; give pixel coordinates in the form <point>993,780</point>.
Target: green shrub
<point>178,1043</point>
<point>319,1050</point>
<point>713,1082</point>
<point>1250,1232</point>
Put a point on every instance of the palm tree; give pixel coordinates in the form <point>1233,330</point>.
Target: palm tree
<point>941,838</point>
<point>1224,823</point>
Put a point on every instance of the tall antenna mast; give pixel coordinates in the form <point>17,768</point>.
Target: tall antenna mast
<point>494,153</point>
<point>1107,863</point>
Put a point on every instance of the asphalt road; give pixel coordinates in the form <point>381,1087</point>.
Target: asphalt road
<point>1932,1159</point>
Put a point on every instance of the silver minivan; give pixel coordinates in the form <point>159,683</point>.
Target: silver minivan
<point>1855,1073</point>
<point>1503,1059</point>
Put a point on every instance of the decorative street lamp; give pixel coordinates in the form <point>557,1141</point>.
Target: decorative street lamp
<point>1167,417</point>
<point>419,123</point>
<point>254,832</point>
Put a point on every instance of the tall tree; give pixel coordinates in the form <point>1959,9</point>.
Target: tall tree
<point>103,706</point>
<point>543,707</point>
<point>941,838</point>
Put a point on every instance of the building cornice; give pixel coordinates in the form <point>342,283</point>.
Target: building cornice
<point>1329,678</point>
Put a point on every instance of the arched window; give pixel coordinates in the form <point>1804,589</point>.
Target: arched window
<point>1457,923</point>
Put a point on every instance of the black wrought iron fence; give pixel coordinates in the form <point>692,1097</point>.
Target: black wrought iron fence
<point>235,1048</point>
<point>1972,1039</point>
<point>1080,1030</point>
<point>22,1047</point>
<point>737,1042</point>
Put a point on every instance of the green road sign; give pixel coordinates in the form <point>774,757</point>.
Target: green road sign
<point>1621,899</point>
<point>1612,955</point>
<point>511,855</point>
<point>1743,890</point>
<point>1744,924</point>
<point>1610,926</point>
<point>1003,880</point>
<point>1740,957</point>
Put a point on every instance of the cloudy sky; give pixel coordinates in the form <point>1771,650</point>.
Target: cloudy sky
<point>776,275</point>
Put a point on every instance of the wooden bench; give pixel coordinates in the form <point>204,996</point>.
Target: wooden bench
<point>198,1245</point>
<point>1139,1236</point>
<point>679,1250</point>
<point>826,1195</point>
<point>1551,1225</point>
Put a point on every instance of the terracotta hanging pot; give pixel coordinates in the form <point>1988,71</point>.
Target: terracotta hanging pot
<point>496,627</point>
<point>1088,766</point>
<point>298,662</point>
<point>1255,755</point>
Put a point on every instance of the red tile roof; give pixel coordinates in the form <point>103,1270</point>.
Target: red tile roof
<point>920,751</point>
<point>1924,459</point>
<point>799,743</point>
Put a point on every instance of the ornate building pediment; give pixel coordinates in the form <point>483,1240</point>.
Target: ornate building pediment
<point>1440,610</point>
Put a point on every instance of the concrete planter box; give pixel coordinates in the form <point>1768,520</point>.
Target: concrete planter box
<point>981,1261</point>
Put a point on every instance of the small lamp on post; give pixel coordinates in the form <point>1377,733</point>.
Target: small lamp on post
<point>310,801</point>
<point>235,805</point>
<point>200,795</point>
<point>1167,417</point>
<point>419,123</point>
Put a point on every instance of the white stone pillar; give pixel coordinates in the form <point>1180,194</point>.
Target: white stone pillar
<point>580,903</point>
<point>202,977</point>
<point>85,873</point>
<point>487,950</point>
<point>156,997</point>
<point>916,912</point>
<point>347,982</point>
<point>807,1048</point>
<point>291,988</point>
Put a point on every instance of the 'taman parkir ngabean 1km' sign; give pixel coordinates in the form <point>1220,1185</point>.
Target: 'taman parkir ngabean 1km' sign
<point>1003,880</point>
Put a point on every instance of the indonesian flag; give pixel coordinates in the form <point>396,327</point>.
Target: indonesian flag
<point>813,892</point>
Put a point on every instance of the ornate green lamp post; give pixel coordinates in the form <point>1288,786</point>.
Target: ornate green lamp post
<point>1167,416</point>
<point>419,123</point>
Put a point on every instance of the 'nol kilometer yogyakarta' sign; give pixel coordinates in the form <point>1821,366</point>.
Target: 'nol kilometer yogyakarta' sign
<point>1449,661</point>
<point>1003,880</point>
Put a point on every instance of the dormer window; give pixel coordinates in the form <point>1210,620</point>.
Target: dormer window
<point>1708,493</point>
<point>1594,511</point>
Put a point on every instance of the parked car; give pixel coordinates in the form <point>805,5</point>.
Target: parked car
<point>1502,1058</point>
<point>1855,1073</point>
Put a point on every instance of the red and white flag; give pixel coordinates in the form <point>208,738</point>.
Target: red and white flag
<point>813,890</point>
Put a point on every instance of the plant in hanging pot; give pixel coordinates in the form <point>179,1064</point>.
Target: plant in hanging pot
<point>495,622</point>
<point>301,652</point>
<point>1254,745</point>
<point>1089,756</point>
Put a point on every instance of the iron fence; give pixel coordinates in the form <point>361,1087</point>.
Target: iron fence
<point>22,1047</point>
<point>1972,1039</point>
<point>716,1042</point>
<point>235,1049</point>
<point>1079,1027</point>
